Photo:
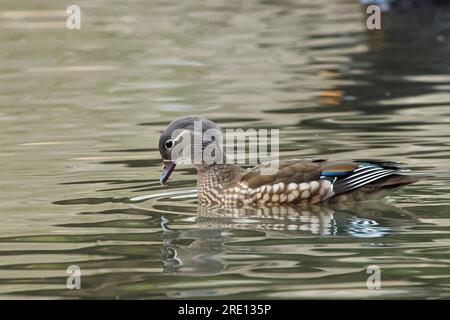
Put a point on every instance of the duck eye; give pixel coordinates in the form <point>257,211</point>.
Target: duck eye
<point>169,144</point>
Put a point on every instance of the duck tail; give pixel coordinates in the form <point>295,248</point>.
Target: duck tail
<point>399,180</point>
<point>380,188</point>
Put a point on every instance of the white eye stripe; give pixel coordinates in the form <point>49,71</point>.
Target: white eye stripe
<point>169,144</point>
<point>179,137</point>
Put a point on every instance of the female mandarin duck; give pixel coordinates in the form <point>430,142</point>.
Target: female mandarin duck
<point>294,181</point>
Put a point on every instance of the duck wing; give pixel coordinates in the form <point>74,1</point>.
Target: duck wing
<point>285,171</point>
<point>345,176</point>
<point>372,174</point>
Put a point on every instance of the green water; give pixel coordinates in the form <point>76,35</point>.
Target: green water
<point>81,112</point>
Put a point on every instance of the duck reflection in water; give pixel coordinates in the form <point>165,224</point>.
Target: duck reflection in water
<point>201,250</point>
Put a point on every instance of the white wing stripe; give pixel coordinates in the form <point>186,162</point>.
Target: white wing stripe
<point>356,178</point>
<point>367,179</point>
<point>367,182</point>
<point>361,173</point>
<point>365,168</point>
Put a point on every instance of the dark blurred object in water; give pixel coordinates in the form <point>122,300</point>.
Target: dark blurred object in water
<point>404,5</point>
<point>408,5</point>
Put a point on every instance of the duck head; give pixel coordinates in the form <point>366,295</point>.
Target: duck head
<point>189,140</point>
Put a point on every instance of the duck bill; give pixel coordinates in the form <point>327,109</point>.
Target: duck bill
<point>167,170</point>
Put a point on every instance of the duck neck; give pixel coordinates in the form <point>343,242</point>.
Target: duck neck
<point>217,176</point>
